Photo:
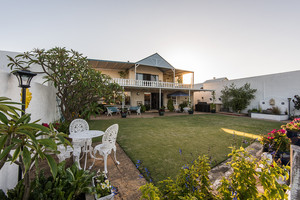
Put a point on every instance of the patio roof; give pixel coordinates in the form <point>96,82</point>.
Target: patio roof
<point>154,60</point>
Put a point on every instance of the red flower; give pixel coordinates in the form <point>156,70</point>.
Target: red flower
<point>45,124</point>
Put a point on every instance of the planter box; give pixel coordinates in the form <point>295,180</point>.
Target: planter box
<point>269,116</point>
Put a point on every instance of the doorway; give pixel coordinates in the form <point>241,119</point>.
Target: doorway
<point>155,100</point>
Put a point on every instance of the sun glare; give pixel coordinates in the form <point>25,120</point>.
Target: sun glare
<point>187,78</point>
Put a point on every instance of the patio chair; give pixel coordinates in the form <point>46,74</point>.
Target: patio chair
<point>77,126</point>
<point>137,109</point>
<point>108,143</point>
<point>111,110</point>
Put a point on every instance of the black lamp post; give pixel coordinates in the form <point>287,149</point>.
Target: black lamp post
<point>289,99</point>
<point>24,78</point>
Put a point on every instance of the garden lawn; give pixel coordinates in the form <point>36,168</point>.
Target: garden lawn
<point>158,141</point>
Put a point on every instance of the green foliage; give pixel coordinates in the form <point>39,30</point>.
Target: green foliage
<point>296,102</point>
<point>143,108</point>
<point>237,98</point>
<point>193,181</point>
<point>68,184</point>
<point>183,105</point>
<point>24,137</point>
<point>276,140</point>
<point>102,185</point>
<point>78,86</point>
<point>170,105</point>
<point>92,109</point>
<point>242,183</point>
<point>276,110</point>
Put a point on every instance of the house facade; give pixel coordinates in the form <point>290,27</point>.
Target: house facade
<point>150,81</point>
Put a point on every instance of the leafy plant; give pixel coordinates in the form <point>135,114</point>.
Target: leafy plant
<point>293,125</point>
<point>296,102</point>
<point>237,98</point>
<point>68,184</point>
<point>193,181</point>
<point>170,105</point>
<point>18,134</point>
<point>276,110</point>
<point>78,86</point>
<point>183,105</point>
<point>276,140</point>
<point>102,185</point>
<point>143,108</point>
<point>242,183</point>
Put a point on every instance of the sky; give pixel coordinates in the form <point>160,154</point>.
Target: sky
<point>213,38</point>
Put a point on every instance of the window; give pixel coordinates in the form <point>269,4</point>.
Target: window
<point>146,77</point>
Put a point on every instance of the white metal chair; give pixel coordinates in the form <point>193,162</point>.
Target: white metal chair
<point>108,143</point>
<point>77,126</point>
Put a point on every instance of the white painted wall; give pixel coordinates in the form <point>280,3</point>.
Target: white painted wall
<point>42,106</point>
<point>277,86</point>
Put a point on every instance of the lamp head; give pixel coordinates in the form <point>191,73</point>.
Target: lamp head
<point>24,77</point>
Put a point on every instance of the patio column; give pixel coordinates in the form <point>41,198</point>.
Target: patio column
<point>159,98</point>
<point>135,66</point>
<point>123,99</point>
<point>173,75</point>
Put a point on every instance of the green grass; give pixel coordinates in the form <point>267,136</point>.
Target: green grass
<point>156,141</point>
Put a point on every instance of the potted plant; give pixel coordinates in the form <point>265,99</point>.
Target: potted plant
<point>161,111</point>
<point>124,112</point>
<point>213,105</point>
<point>277,143</point>
<point>191,111</point>
<point>103,188</point>
<point>213,108</point>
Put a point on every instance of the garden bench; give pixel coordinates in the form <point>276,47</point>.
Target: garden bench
<point>136,109</point>
<point>111,110</point>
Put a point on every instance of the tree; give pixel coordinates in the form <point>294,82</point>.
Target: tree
<point>296,102</point>
<point>78,86</point>
<point>237,98</point>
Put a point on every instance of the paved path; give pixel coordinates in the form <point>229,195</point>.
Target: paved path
<point>125,177</point>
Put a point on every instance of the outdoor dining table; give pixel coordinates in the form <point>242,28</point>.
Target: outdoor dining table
<point>82,142</point>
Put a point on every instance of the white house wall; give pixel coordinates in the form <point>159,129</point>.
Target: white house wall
<point>274,86</point>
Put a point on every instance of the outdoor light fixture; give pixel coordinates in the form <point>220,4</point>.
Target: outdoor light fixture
<point>289,99</point>
<point>24,78</point>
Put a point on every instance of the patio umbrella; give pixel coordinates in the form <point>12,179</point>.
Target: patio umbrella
<point>178,94</point>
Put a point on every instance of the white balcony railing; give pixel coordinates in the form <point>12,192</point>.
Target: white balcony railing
<point>150,84</point>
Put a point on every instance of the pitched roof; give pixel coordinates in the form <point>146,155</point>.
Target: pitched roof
<point>216,80</point>
<point>155,60</point>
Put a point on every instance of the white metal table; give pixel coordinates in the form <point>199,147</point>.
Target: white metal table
<point>83,140</point>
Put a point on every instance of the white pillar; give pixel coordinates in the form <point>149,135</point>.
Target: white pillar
<point>123,99</point>
<point>159,97</point>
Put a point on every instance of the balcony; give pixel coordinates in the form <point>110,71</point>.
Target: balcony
<point>150,84</point>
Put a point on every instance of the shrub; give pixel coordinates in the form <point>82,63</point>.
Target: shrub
<point>193,181</point>
<point>183,105</point>
<point>237,98</point>
<point>170,105</point>
<point>276,110</point>
<point>276,140</point>
<point>143,108</point>
<point>296,102</point>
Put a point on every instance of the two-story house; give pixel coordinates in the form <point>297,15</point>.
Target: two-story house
<point>150,81</point>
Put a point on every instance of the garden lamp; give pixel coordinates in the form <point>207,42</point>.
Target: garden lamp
<point>24,77</point>
<point>289,99</point>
